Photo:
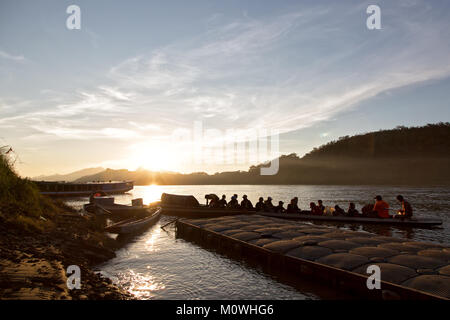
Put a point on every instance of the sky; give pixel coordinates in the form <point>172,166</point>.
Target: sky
<point>172,85</point>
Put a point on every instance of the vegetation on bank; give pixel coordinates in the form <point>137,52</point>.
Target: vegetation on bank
<point>427,141</point>
<point>407,156</point>
<point>21,204</point>
<point>43,237</point>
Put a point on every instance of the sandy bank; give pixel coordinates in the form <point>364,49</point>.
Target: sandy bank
<point>33,265</point>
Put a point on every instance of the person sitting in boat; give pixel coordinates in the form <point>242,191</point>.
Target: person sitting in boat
<point>352,211</point>
<point>381,207</point>
<point>279,208</point>
<point>320,205</point>
<point>367,211</point>
<point>293,207</point>
<point>245,203</point>
<point>233,204</point>
<point>260,206</point>
<point>213,200</point>
<point>315,210</point>
<point>338,211</point>
<point>406,211</point>
<point>269,205</point>
<point>222,203</point>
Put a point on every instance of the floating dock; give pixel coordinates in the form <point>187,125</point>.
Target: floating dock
<point>331,256</point>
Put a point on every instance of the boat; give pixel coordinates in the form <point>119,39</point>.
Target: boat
<point>71,189</point>
<point>189,207</point>
<point>201,211</point>
<point>101,204</point>
<point>305,215</point>
<point>135,224</point>
<point>113,208</point>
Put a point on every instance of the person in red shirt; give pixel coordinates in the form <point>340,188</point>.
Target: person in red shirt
<point>381,207</point>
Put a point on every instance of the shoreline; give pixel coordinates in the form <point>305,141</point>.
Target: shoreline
<point>33,265</point>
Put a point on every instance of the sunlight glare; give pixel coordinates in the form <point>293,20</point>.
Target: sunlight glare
<point>150,242</point>
<point>154,156</point>
<point>152,193</point>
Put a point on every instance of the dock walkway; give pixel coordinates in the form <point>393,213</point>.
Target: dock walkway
<point>337,257</point>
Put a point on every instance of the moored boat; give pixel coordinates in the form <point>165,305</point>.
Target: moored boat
<point>100,204</point>
<point>135,224</point>
<point>201,211</point>
<point>69,189</point>
<point>189,207</point>
<point>114,208</point>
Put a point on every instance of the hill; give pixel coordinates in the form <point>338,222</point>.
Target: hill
<point>428,141</point>
<point>70,176</point>
<point>401,156</point>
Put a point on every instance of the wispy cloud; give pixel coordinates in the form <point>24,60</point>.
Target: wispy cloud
<point>8,56</point>
<point>287,71</point>
<point>44,131</point>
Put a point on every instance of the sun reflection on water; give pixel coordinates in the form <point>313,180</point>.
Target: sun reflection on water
<point>141,285</point>
<point>150,242</point>
<point>152,193</point>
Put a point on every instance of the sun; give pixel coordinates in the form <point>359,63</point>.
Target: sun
<point>153,156</point>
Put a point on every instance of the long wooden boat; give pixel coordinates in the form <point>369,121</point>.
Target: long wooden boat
<point>201,211</point>
<point>206,212</point>
<point>189,207</point>
<point>412,222</point>
<point>135,224</point>
<point>70,189</point>
<point>115,209</point>
<point>104,205</point>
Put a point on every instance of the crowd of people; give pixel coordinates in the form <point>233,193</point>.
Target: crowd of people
<point>379,209</point>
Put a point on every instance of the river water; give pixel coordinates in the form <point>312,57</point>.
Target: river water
<point>156,265</point>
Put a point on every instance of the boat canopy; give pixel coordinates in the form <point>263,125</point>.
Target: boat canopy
<point>179,200</point>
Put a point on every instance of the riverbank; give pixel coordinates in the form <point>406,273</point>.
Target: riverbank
<point>40,238</point>
<point>33,264</point>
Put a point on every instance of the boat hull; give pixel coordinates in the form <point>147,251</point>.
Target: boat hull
<point>205,212</point>
<point>115,209</point>
<point>200,212</point>
<point>135,225</point>
<point>58,189</point>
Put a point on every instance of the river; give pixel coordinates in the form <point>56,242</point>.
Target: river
<point>156,265</point>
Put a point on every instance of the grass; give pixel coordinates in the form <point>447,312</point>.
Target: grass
<point>21,203</point>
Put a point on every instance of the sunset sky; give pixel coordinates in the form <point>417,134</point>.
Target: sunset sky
<point>129,87</point>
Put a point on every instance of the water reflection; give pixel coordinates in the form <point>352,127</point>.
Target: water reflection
<point>143,286</point>
<point>151,193</point>
<point>150,242</point>
<point>155,265</point>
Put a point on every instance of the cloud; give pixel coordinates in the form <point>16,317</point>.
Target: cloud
<point>287,71</point>
<point>5,55</point>
<point>47,132</point>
